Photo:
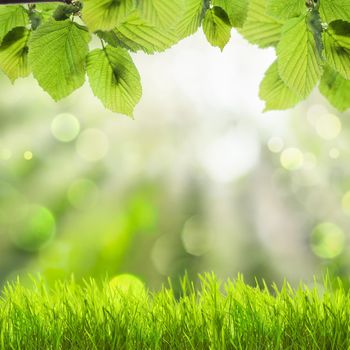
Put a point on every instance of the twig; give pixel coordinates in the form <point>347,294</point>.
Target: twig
<point>18,2</point>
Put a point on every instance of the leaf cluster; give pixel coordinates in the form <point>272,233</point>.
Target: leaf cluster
<point>57,44</point>
<point>312,42</point>
<point>53,41</point>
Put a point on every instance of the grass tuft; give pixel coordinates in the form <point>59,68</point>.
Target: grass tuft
<point>229,315</point>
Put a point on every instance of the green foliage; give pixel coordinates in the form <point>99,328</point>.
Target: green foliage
<point>121,314</point>
<point>10,18</point>
<point>336,89</point>
<point>312,38</point>
<point>236,10</point>
<point>260,28</point>
<point>14,53</point>
<point>62,69</point>
<point>275,91</point>
<point>285,9</point>
<point>114,79</point>
<point>52,41</point>
<point>337,47</point>
<point>298,61</point>
<point>216,27</point>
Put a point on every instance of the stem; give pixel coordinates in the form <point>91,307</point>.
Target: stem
<point>17,2</point>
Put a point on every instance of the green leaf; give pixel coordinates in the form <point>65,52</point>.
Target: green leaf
<point>106,14</point>
<point>298,57</point>
<point>135,34</point>
<point>14,53</point>
<point>285,9</point>
<point>193,13</point>
<point>216,27</point>
<point>332,10</point>
<point>276,94</point>
<point>260,28</point>
<point>57,52</point>
<point>114,79</point>
<point>12,17</point>
<point>337,47</point>
<point>336,89</point>
<point>161,13</point>
<point>237,10</point>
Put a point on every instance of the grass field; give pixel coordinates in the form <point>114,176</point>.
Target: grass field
<point>231,315</point>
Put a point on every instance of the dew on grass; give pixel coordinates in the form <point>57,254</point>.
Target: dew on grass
<point>327,240</point>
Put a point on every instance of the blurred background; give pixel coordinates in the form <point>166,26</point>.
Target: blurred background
<point>200,180</point>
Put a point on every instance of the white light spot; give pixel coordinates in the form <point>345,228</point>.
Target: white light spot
<point>65,127</point>
<point>275,144</point>
<point>194,238</point>
<point>231,156</point>
<point>328,126</point>
<point>292,158</point>
<point>327,240</point>
<point>314,112</point>
<point>345,203</point>
<point>92,145</point>
<point>28,155</point>
<point>5,154</point>
<point>334,153</point>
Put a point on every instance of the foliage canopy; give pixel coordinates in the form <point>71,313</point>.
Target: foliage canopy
<point>53,40</point>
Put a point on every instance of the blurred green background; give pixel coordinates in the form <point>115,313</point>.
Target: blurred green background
<point>200,180</point>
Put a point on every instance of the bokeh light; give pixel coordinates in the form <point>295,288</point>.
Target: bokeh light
<point>230,156</point>
<point>345,202</point>
<point>309,161</point>
<point>328,126</point>
<point>5,154</point>
<point>292,158</point>
<point>35,228</point>
<point>275,144</point>
<point>65,127</point>
<point>162,254</point>
<point>334,153</point>
<point>82,194</point>
<point>314,112</point>
<point>128,284</point>
<point>327,240</point>
<point>92,145</point>
<point>194,237</point>
<point>28,155</point>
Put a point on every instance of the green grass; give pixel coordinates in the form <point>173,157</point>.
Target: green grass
<point>232,315</point>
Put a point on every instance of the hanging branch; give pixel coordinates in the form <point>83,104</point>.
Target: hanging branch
<point>18,2</point>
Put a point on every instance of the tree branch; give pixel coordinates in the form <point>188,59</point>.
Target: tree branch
<point>17,2</point>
